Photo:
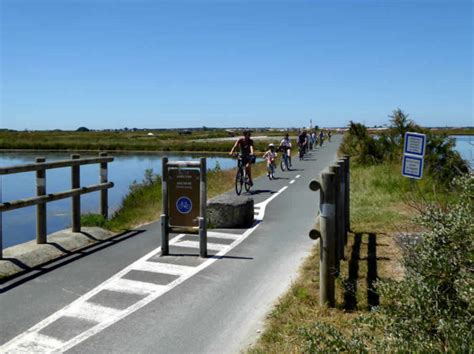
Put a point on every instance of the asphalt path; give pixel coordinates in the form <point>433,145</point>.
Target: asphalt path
<point>190,305</point>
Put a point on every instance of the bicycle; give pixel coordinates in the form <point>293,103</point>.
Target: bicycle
<point>241,178</point>
<point>301,150</point>
<point>284,163</point>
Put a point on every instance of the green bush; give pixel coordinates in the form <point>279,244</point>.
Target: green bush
<point>432,308</point>
<point>441,160</point>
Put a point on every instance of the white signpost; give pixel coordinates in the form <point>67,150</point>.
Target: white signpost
<point>413,155</point>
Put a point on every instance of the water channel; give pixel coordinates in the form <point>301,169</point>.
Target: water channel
<point>19,225</point>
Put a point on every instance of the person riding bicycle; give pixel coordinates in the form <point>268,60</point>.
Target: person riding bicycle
<point>302,142</point>
<point>270,155</point>
<point>285,147</point>
<point>246,152</point>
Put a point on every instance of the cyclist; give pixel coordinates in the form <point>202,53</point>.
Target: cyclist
<point>246,151</point>
<point>321,137</point>
<point>270,155</point>
<point>302,142</point>
<point>285,147</point>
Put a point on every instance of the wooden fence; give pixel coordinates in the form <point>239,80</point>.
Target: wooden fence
<point>42,198</point>
<point>332,224</point>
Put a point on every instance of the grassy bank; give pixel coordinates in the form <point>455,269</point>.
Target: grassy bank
<point>376,199</point>
<point>383,203</point>
<point>143,203</point>
<point>122,141</point>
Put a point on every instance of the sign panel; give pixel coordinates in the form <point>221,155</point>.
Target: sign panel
<point>415,144</point>
<point>412,166</point>
<point>183,197</point>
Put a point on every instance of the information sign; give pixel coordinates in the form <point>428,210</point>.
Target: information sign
<point>415,144</point>
<point>412,166</point>
<point>184,199</point>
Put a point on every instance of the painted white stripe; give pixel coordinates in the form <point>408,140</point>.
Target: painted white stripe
<point>223,235</point>
<point>166,268</point>
<point>297,176</point>
<point>292,181</point>
<point>195,244</point>
<point>18,342</point>
<point>134,286</point>
<point>92,312</point>
<point>37,343</point>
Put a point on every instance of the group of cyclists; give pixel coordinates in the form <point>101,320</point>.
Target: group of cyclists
<point>305,141</point>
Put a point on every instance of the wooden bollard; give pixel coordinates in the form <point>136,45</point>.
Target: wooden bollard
<point>104,193</point>
<point>348,194</point>
<point>202,219</point>
<point>76,200</point>
<point>327,269</point>
<point>341,217</point>
<point>337,171</point>
<point>165,250</point>
<point>41,208</point>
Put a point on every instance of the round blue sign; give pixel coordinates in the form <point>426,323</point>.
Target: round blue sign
<point>184,205</point>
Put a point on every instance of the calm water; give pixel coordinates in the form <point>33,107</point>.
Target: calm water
<point>465,146</point>
<point>20,225</point>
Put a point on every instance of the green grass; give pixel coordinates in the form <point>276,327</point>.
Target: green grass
<point>382,203</point>
<point>121,141</point>
<point>143,204</point>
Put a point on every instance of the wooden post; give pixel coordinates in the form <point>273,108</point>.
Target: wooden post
<point>104,195</point>
<point>337,221</point>
<point>342,212</point>
<point>1,221</point>
<point>347,195</point>
<point>41,208</point>
<point>327,270</point>
<point>76,200</point>
<point>202,219</point>
<point>165,250</point>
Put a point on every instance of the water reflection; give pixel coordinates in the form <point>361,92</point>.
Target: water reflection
<point>19,225</point>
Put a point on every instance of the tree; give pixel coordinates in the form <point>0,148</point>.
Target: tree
<point>82,129</point>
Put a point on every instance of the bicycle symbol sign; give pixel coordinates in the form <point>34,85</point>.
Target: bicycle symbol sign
<point>184,205</point>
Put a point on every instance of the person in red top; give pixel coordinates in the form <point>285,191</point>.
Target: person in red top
<point>246,151</point>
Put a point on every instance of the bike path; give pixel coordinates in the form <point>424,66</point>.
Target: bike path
<point>216,308</point>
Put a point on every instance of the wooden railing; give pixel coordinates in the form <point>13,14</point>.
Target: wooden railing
<point>74,193</point>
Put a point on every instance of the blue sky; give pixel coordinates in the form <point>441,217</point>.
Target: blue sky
<point>169,64</point>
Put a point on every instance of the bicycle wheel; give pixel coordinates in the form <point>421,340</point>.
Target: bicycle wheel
<point>246,183</point>
<point>283,164</point>
<point>238,181</point>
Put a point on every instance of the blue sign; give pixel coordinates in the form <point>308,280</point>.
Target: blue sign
<point>415,144</point>
<point>412,166</point>
<point>184,205</point>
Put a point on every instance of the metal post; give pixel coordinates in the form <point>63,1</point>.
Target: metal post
<point>165,250</point>
<point>327,270</point>
<point>104,194</point>
<point>41,208</point>
<point>337,231</point>
<point>76,200</point>
<point>203,219</point>
<point>342,212</point>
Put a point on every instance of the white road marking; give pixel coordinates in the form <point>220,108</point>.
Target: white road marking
<point>223,235</point>
<point>297,176</point>
<point>92,312</point>
<point>195,244</point>
<point>37,342</point>
<point>292,181</point>
<point>32,341</point>
<point>134,287</point>
<point>166,268</point>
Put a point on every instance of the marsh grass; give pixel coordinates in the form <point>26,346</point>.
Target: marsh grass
<point>379,209</point>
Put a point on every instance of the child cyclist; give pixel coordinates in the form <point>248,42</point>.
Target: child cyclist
<point>270,155</point>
